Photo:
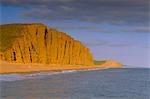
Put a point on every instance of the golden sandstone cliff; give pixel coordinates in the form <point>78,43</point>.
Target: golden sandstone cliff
<point>36,43</point>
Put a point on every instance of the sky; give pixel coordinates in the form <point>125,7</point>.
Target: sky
<point>112,29</point>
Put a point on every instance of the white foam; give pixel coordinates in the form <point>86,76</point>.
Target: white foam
<point>11,77</point>
<point>14,77</point>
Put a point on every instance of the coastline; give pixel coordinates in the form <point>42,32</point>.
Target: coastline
<point>13,68</point>
<point>118,83</point>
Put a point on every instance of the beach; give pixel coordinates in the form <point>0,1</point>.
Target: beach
<point>8,68</point>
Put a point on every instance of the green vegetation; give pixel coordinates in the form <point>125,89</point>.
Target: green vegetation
<point>99,62</point>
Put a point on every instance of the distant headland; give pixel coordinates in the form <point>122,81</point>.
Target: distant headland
<point>24,46</point>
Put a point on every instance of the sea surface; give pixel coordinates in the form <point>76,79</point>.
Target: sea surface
<point>125,83</point>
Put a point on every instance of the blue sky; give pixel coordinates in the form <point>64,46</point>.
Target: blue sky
<point>112,29</point>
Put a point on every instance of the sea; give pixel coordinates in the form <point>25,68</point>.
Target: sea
<point>124,83</point>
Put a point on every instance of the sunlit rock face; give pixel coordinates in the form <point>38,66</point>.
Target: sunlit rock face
<point>36,43</point>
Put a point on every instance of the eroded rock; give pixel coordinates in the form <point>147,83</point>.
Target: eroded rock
<point>36,43</point>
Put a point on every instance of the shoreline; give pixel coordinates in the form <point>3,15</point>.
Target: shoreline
<point>29,75</point>
<point>57,71</point>
<point>51,71</point>
<point>15,68</point>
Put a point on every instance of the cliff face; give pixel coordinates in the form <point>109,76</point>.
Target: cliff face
<point>35,43</point>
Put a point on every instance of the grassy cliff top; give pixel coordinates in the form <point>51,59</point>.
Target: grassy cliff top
<point>96,62</point>
<point>108,64</point>
<point>8,33</point>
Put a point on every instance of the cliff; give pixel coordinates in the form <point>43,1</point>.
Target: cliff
<point>108,64</point>
<point>36,43</point>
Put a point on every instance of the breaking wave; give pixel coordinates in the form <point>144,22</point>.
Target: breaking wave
<point>14,77</point>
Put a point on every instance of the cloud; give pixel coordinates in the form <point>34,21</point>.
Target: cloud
<point>136,30</point>
<point>96,43</point>
<point>84,28</point>
<point>118,12</point>
<point>102,43</point>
